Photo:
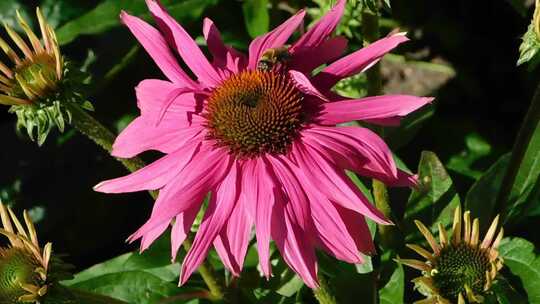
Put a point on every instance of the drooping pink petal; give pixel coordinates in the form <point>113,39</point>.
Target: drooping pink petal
<point>304,85</point>
<point>331,231</point>
<point>298,201</point>
<point>294,245</point>
<point>156,46</point>
<point>222,203</point>
<point>375,108</point>
<point>306,60</point>
<point>357,62</point>
<point>322,29</point>
<point>225,57</point>
<point>151,236</point>
<point>232,242</point>
<point>181,228</point>
<point>276,38</point>
<point>358,229</point>
<point>260,190</point>
<point>153,176</point>
<point>205,170</point>
<point>186,47</point>
<point>348,143</point>
<point>320,176</point>
<point>142,135</point>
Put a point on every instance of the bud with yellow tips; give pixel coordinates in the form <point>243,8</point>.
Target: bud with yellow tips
<point>36,83</point>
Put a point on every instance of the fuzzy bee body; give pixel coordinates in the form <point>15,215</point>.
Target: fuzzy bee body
<point>273,56</point>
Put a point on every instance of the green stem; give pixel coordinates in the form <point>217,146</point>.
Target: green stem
<point>521,149</point>
<point>370,33</point>
<point>103,137</point>
<point>207,273</point>
<point>323,294</point>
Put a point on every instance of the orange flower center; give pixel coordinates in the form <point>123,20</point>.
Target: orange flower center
<point>255,112</point>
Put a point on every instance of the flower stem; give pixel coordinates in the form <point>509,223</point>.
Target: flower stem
<point>103,137</point>
<point>207,273</point>
<point>323,294</point>
<point>370,33</point>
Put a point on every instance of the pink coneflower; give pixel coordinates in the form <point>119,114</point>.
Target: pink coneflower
<point>259,133</point>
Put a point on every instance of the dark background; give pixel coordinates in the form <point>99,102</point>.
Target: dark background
<point>489,96</point>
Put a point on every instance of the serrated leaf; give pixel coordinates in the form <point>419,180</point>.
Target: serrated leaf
<point>393,291</point>
<point>256,17</point>
<point>520,257</point>
<point>105,16</point>
<point>435,199</point>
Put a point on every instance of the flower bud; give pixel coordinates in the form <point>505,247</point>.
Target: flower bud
<point>37,81</point>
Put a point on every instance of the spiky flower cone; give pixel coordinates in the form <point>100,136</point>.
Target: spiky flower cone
<point>24,265</point>
<point>37,81</point>
<point>461,269</point>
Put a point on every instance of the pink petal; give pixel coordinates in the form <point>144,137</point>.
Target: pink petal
<point>185,45</point>
<point>320,176</point>
<point>181,229</point>
<point>159,101</point>
<point>358,229</point>
<point>225,57</point>
<point>306,60</point>
<point>276,38</point>
<point>322,29</point>
<point>206,169</point>
<point>157,48</point>
<point>357,62</point>
<point>378,108</point>
<point>347,143</point>
<point>222,202</point>
<point>153,176</point>
<point>232,242</point>
<point>294,245</point>
<point>151,236</point>
<point>331,230</point>
<point>141,135</point>
<point>298,200</point>
<point>304,85</point>
<point>260,190</point>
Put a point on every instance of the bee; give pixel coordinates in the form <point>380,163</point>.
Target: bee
<point>273,56</point>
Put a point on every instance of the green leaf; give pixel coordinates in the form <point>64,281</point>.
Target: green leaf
<point>57,12</point>
<point>524,167</point>
<point>476,147</point>
<point>256,17</point>
<point>482,195</point>
<point>435,199</point>
<point>393,291</point>
<point>505,293</point>
<point>105,16</point>
<point>520,257</point>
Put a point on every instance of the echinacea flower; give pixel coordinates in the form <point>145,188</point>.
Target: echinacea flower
<point>36,84</point>
<point>459,269</point>
<point>263,140</point>
<point>24,265</point>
